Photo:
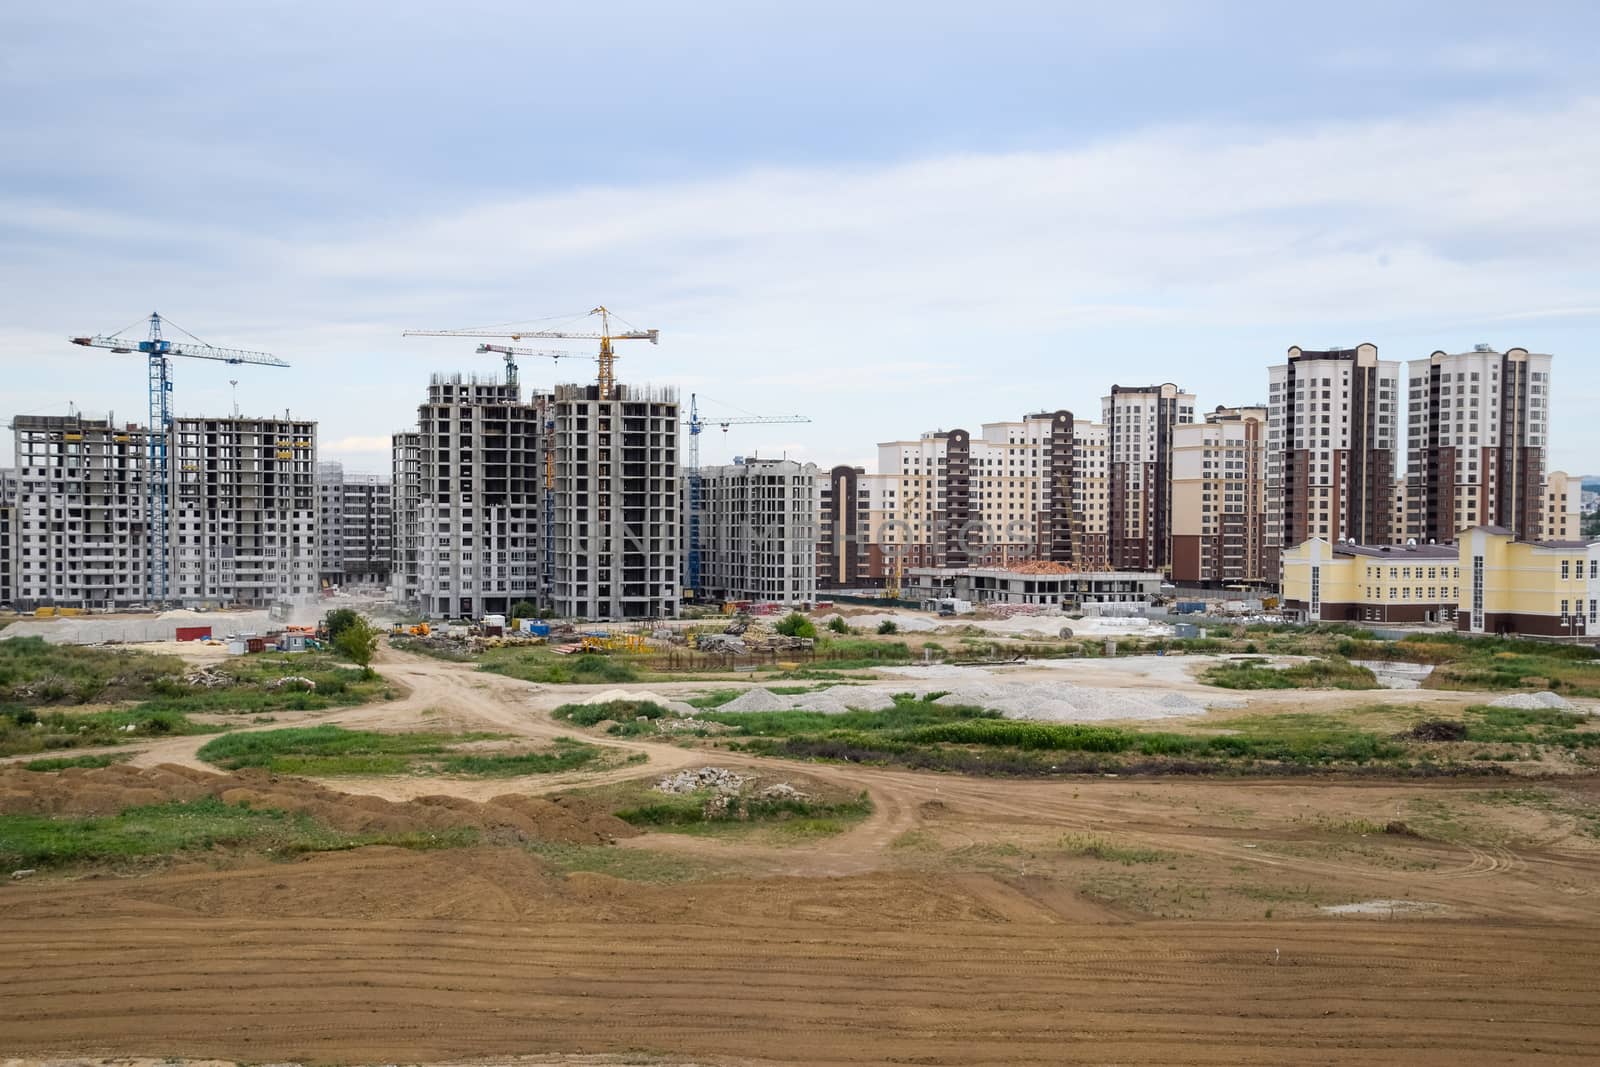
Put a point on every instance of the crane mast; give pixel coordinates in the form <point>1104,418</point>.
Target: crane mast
<point>159,349</point>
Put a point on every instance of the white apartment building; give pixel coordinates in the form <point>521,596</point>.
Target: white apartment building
<point>1479,430</point>
<point>405,570</point>
<point>1139,424</point>
<point>1332,437</point>
<point>758,531</point>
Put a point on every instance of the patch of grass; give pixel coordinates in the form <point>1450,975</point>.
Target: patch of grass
<point>1317,674</point>
<point>1537,726</point>
<point>620,711</point>
<point>1093,846</point>
<point>62,763</point>
<point>24,730</point>
<point>565,755</point>
<point>182,827</point>
<point>35,672</point>
<point>540,664</point>
<point>706,811</point>
<point>333,751</point>
<point>629,864</point>
<point>909,711</point>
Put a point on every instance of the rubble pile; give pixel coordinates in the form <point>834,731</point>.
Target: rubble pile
<point>719,779</point>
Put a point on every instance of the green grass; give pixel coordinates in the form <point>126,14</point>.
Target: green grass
<point>25,730</point>
<point>1541,726</point>
<point>565,755</point>
<point>62,763</point>
<point>909,711</point>
<point>182,827</point>
<point>34,672</point>
<point>540,664</point>
<point>333,751</point>
<point>691,814</point>
<point>1317,674</point>
<point>620,711</point>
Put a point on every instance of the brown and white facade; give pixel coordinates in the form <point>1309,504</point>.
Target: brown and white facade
<point>1140,422</point>
<point>1219,500</point>
<point>1479,430</point>
<point>1332,442</point>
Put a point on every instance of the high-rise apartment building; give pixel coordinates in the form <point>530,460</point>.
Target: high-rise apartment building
<point>1033,489</point>
<point>618,536</point>
<point>1332,435</point>
<point>1219,498</point>
<point>758,531</point>
<point>471,498</point>
<point>405,568</point>
<point>8,546</point>
<point>243,511</point>
<point>1478,439</point>
<point>1139,425</point>
<point>80,515</point>
<point>355,527</point>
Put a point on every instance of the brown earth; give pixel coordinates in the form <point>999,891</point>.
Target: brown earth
<point>967,921</point>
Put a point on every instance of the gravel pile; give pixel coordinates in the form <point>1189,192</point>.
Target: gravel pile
<point>611,696</point>
<point>719,779</point>
<point>1533,702</point>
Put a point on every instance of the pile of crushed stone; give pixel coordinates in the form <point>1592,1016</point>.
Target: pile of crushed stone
<point>644,696</point>
<point>111,790</point>
<point>1533,702</point>
<point>718,779</point>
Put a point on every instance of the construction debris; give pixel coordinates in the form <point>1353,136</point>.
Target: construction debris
<point>293,681</point>
<point>208,678</point>
<point>1545,701</point>
<point>718,779</point>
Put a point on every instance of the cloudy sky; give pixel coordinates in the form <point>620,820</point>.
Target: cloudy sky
<point>890,218</point>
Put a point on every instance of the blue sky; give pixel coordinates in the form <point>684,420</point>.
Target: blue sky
<point>890,218</point>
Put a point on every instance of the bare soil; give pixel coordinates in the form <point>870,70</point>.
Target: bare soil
<point>965,921</point>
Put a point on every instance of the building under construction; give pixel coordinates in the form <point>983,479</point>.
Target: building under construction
<point>469,496</point>
<point>618,544</point>
<point>759,531</point>
<point>355,527</point>
<point>241,514</point>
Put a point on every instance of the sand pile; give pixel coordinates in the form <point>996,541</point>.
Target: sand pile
<point>111,790</point>
<point>611,696</point>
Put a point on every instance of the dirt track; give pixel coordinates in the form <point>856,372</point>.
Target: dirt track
<point>980,946</point>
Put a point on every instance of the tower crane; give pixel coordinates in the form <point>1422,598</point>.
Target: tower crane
<point>696,425</point>
<point>607,377</point>
<point>160,349</point>
<point>511,354</point>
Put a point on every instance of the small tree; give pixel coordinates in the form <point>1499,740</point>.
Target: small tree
<point>356,642</point>
<point>887,626</point>
<point>838,625</point>
<point>338,620</point>
<point>795,624</point>
<point>523,609</point>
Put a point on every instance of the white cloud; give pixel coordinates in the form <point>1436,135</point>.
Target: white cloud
<point>884,300</point>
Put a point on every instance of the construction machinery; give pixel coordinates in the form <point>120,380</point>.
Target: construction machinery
<point>692,591</point>
<point>606,379</point>
<point>511,353</point>
<point>160,351</point>
<point>891,585</point>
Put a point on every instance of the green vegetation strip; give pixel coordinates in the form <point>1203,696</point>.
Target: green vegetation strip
<point>330,751</point>
<point>24,730</point>
<point>184,827</point>
<point>1317,674</point>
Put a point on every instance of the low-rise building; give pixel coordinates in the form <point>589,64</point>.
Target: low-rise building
<point>1540,588</point>
<point>1326,581</point>
<point>1040,584</point>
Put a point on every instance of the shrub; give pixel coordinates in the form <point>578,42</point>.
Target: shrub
<point>615,710</point>
<point>338,620</point>
<point>795,624</point>
<point>887,626</point>
<point>838,625</point>
<point>356,642</point>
